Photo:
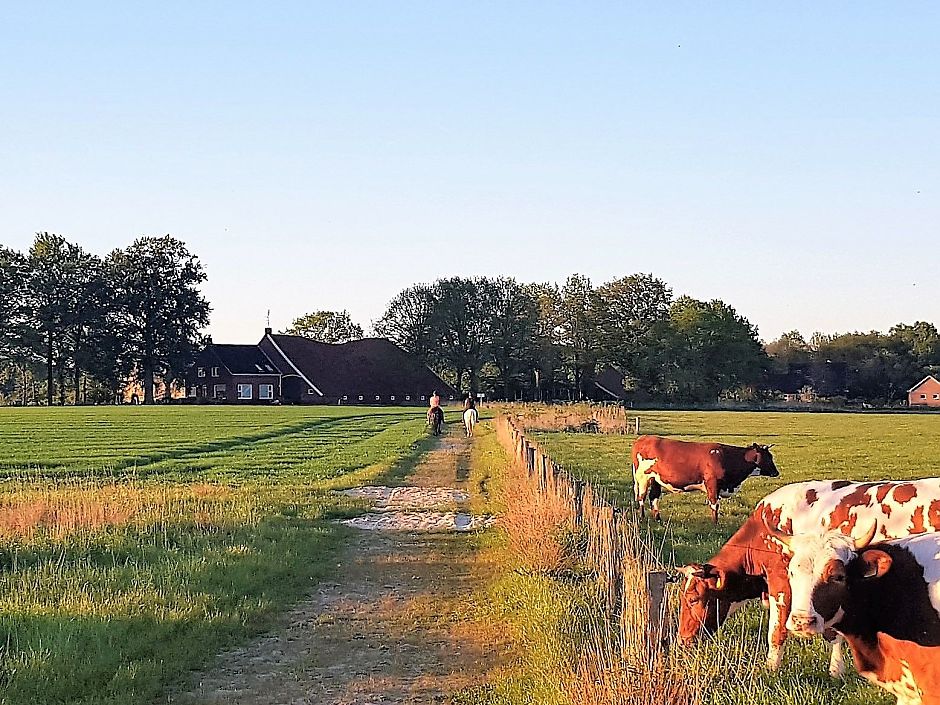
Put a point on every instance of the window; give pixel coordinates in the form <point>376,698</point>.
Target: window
<point>192,391</point>
<point>205,391</point>
<point>936,396</point>
<point>345,397</point>
<point>200,371</point>
<point>407,397</point>
<point>218,391</point>
<point>423,397</point>
<point>360,397</point>
<point>311,392</point>
<point>215,371</point>
<point>392,397</point>
<point>244,391</point>
<point>377,397</point>
<point>923,396</point>
<point>265,391</point>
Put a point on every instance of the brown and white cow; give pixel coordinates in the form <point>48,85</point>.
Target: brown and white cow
<point>872,510</point>
<point>756,558</point>
<point>885,601</point>
<point>682,466</point>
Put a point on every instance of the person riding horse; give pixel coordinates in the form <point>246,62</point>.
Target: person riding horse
<point>436,415</point>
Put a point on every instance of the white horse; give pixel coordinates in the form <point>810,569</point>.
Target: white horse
<point>470,418</point>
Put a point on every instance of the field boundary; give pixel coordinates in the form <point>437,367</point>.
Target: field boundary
<point>613,552</point>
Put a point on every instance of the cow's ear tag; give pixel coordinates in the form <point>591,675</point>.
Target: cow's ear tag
<point>877,563</point>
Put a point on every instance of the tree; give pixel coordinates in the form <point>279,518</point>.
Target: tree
<point>513,322</point>
<point>408,321</point>
<point>628,309</point>
<point>710,349</point>
<point>326,327</point>
<point>55,268</point>
<point>579,336</point>
<point>161,308</point>
<point>460,327</point>
<point>12,302</point>
<point>789,347</point>
<point>922,339</point>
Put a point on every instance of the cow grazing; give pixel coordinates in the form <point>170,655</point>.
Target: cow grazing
<point>752,564</point>
<point>681,466</point>
<point>885,601</point>
<point>757,557</point>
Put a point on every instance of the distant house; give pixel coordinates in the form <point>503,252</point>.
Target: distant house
<point>291,369</point>
<point>610,385</point>
<point>924,393</point>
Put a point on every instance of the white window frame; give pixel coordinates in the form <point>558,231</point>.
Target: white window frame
<point>360,397</point>
<point>311,391</point>
<point>377,397</point>
<point>923,396</point>
<point>200,371</point>
<point>936,396</point>
<point>192,393</point>
<point>269,388</point>
<point>215,371</point>
<point>205,391</point>
<point>215,391</point>
<point>241,392</point>
<point>407,397</point>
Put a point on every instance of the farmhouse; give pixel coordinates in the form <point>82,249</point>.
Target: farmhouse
<point>291,369</point>
<point>924,393</point>
<point>808,382</point>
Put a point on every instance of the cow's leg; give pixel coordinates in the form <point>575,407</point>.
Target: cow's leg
<point>655,493</point>
<point>641,483</point>
<point>837,658</point>
<point>711,489</point>
<point>779,594</point>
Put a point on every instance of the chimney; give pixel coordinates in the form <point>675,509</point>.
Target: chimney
<point>267,331</point>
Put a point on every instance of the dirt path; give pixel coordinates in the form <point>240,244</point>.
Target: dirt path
<point>391,629</point>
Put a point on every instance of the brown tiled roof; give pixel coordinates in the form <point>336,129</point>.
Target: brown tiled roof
<point>243,359</point>
<point>367,367</point>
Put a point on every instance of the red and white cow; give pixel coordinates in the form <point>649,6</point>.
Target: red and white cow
<point>682,466</point>
<point>885,601</point>
<point>882,510</point>
<point>756,559</point>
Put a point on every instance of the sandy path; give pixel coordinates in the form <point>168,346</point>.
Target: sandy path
<point>391,627</point>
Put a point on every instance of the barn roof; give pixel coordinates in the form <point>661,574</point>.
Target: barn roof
<point>369,367</point>
<point>243,359</point>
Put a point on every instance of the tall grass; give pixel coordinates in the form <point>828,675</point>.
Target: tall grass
<point>136,543</point>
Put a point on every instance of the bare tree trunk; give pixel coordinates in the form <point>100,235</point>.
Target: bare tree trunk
<point>148,382</point>
<point>49,381</point>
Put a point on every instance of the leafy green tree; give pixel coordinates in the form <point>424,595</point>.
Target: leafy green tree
<point>12,303</point>
<point>326,327</point>
<point>512,326</point>
<point>922,339</point>
<point>53,289</point>
<point>579,332</point>
<point>408,321</point>
<point>628,309</point>
<point>789,347</point>
<point>879,368</point>
<point>161,308</point>
<point>460,326</point>
<point>548,339</point>
<point>710,349</point>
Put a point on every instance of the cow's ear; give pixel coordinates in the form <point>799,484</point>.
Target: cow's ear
<point>714,576</point>
<point>875,563</point>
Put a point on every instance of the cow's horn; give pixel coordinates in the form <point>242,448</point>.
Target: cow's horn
<point>779,535</point>
<point>862,542</point>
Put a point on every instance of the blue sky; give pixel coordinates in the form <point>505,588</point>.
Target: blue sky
<point>784,158</point>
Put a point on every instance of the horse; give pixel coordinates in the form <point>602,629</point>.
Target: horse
<point>470,418</point>
<point>436,420</point>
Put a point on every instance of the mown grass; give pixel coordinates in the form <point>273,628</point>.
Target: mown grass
<point>135,543</point>
<point>808,446</point>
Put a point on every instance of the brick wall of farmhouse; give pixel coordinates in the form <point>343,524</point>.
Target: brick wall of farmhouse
<point>927,394</point>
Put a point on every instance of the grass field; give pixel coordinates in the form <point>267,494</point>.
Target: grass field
<point>808,446</point>
<point>137,542</point>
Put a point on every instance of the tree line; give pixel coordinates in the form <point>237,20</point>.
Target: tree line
<point>75,327</point>
<point>80,326</point>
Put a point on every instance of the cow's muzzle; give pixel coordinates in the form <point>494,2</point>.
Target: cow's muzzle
<point>805,624</point>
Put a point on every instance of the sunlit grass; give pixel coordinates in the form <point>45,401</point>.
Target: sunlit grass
<point>136,543</point>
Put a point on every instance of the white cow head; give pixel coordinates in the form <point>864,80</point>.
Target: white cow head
<point>817,562</point>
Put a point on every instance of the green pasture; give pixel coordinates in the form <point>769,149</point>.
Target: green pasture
<point>136,543</point>
<point>807,446</point>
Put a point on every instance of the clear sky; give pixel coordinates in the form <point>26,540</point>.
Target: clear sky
<point>784,157</point>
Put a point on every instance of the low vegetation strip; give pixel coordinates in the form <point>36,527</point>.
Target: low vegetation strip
<point>115,583</point>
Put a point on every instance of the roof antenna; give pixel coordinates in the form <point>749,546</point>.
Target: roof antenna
<point>269,318</point>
